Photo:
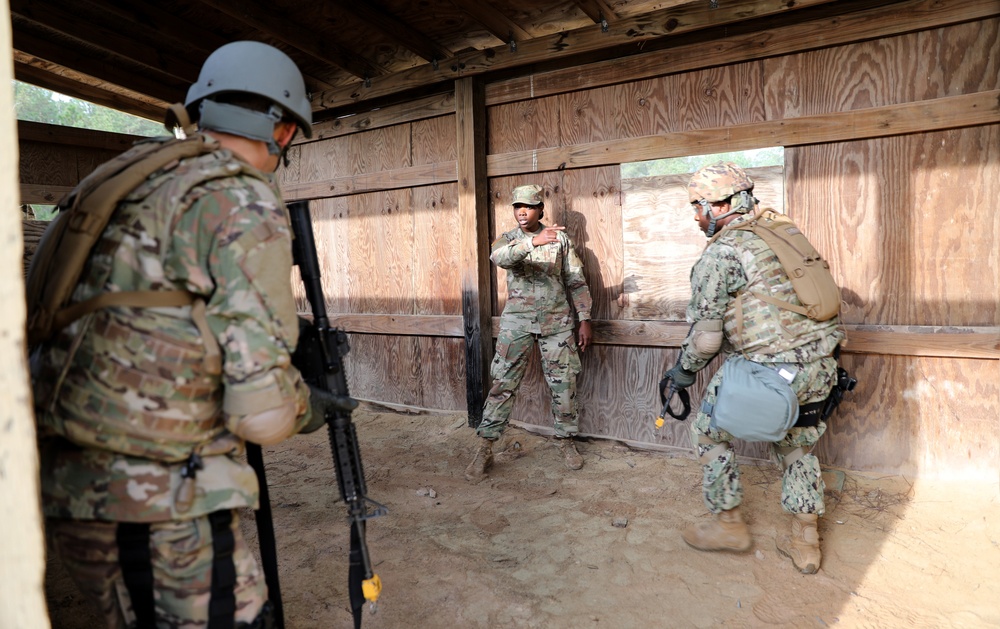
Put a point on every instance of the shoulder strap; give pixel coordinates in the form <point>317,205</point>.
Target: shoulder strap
<point>65,246</point>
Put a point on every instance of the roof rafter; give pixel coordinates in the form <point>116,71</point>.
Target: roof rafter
<point>282,28</point>
<point>377,17</point>
<point>502,27</point>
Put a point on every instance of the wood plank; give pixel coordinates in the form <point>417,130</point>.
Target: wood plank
<point>925,341</point>
<point>474,239</point>
<point>592,215</point>
<point>493,20</point>
<point>392,179</point>
<point>939,62</point>
<point>917,416</point>
<point>940,113</point>
<point>28,131</point>
<point>880,22</point>
<point>40,194</point>
<point>410,111</point>
<point>901,222</point>
<point>89,89</point>
<point>672,21</point>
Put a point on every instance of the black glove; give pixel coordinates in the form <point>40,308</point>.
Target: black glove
<point>681,377</point>
<point>324,403</point>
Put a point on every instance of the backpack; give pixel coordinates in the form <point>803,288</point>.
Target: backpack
<point>66,244</point>
<point>808,271</point>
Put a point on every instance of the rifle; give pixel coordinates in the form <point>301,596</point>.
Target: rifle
<point>319,357</point>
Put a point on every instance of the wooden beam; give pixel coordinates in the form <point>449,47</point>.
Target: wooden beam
<point>937,114</point>
<point>636,30</point>
<point>474,240</point>
<point>598,10</point>
<point>73,22</point>
<point>60,59</point>
<point>42,194</point>
<point>418,109</point>
<point>410,177</point>
<point>930,341</point>
<point>261,16</point>
<point>381,19</point>
<point>89,89</point>
<point>493,20</point>
<point>28,131</point>
<point>886,21</point>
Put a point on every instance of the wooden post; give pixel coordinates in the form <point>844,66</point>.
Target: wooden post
<point>473,227</point>
<point>22,547</point>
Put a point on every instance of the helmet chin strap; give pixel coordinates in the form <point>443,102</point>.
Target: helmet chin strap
<point>746,201</point>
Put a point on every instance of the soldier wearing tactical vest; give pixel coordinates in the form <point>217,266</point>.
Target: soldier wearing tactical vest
<point>545,286</point>
<point>728,316</point>
<point>144,411</point>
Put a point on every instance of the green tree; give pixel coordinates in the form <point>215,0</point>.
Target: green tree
<point>37,104</point>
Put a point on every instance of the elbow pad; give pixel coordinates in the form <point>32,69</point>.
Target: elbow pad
<point>706,338</point>
<point>264,410</point>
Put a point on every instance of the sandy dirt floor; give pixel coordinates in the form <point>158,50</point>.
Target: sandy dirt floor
<point>537,545</point>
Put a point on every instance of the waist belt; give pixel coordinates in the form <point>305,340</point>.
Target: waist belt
<point>810,414</point>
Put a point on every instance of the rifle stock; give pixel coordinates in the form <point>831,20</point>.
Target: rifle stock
<point>319,357</point>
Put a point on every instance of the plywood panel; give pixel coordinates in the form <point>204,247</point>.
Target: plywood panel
<point>331,230</point>
<point>909,416</point>
<point>958,59</point>
<point>385,368</point>
<point>436,257</point>
<point>523,125</point>
<point>662,241</point>
<point>381,252</point>
<point>319,161</point>
<point>379,149</point>
<point>716,97</point>
<point>433,140</point>
<point>58,165</point>
<point>442,373</point>
<point>908,224</point>
<point>592,215</point>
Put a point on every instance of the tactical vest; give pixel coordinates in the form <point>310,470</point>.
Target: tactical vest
<point>761,330</point>
<point>140,381</point>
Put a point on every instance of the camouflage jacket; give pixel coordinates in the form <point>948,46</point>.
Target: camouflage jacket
<point>541,283</point>
<point>213,226</point>
<point>734,264</point>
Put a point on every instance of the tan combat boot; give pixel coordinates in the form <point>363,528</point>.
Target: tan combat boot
<point>802,547</point>
<point>727,531</point>
<point>482,461</point>
<point>571,457</point>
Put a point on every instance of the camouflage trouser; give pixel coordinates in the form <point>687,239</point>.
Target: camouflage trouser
<point>802,483</point>
<point>560,364</point>
<point>181,557</point>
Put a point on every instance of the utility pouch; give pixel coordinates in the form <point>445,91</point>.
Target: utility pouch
<point>754,402</point>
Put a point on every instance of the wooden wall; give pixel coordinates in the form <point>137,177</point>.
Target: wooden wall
<point>891,133</point>
<point>890,119</point>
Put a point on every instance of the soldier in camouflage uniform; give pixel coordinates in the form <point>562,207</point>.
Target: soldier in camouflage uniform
<point>544,278</point>
<point>143,412</point>
<point>735,265</point>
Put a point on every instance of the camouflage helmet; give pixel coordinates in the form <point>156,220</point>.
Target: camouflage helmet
<point>255,68</point>
<point>718,182</point>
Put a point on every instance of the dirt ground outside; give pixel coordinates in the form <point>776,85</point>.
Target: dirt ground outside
<point>539,546</point>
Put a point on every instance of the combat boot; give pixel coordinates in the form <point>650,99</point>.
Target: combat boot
<point>571,457</point>
<point>727,531</point>
<point>482,461</point>
<point>802,547</point>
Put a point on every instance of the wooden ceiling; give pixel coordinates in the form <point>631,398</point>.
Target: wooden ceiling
<point>141,55</point>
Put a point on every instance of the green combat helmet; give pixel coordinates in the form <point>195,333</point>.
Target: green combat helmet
<point>721,181</point>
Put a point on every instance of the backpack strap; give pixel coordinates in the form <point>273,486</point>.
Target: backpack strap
<point>133,298</point>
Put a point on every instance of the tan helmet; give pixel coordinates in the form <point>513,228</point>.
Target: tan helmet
<point>718,182</point>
